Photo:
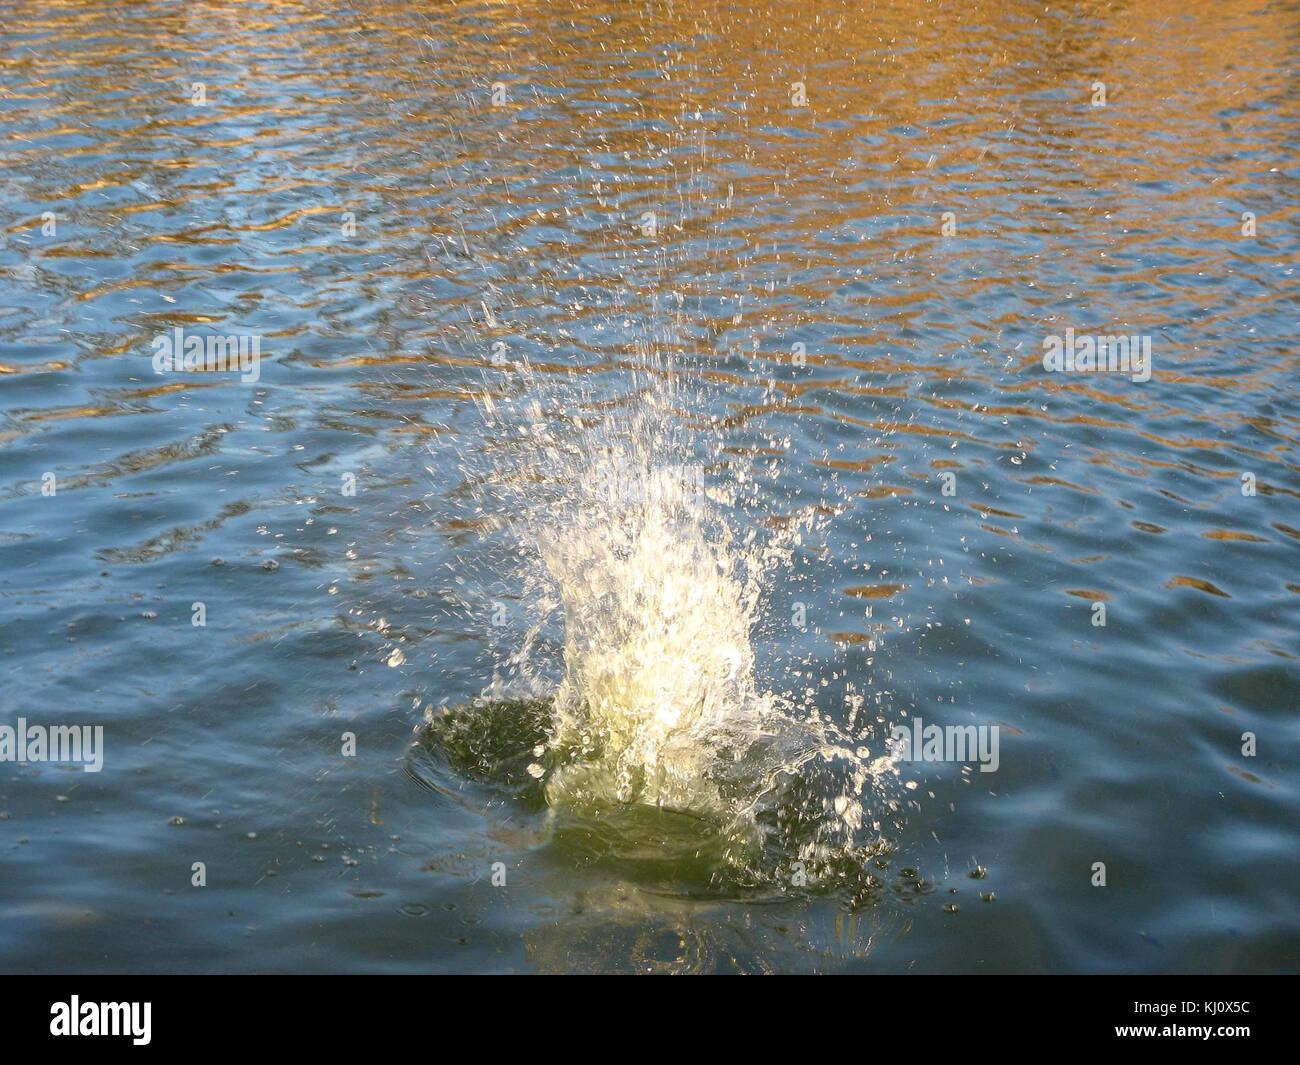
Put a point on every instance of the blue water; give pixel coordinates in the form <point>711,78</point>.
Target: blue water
<point>341,184</point>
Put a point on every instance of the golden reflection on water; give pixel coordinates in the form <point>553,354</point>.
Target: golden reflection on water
<point>797,157</point>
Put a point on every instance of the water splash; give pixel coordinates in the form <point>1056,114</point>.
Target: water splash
<point>652,739</point>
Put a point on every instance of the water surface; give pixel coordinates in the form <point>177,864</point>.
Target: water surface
<point>842,233</point>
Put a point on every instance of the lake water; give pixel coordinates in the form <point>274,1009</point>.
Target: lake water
<point>516,273</point>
